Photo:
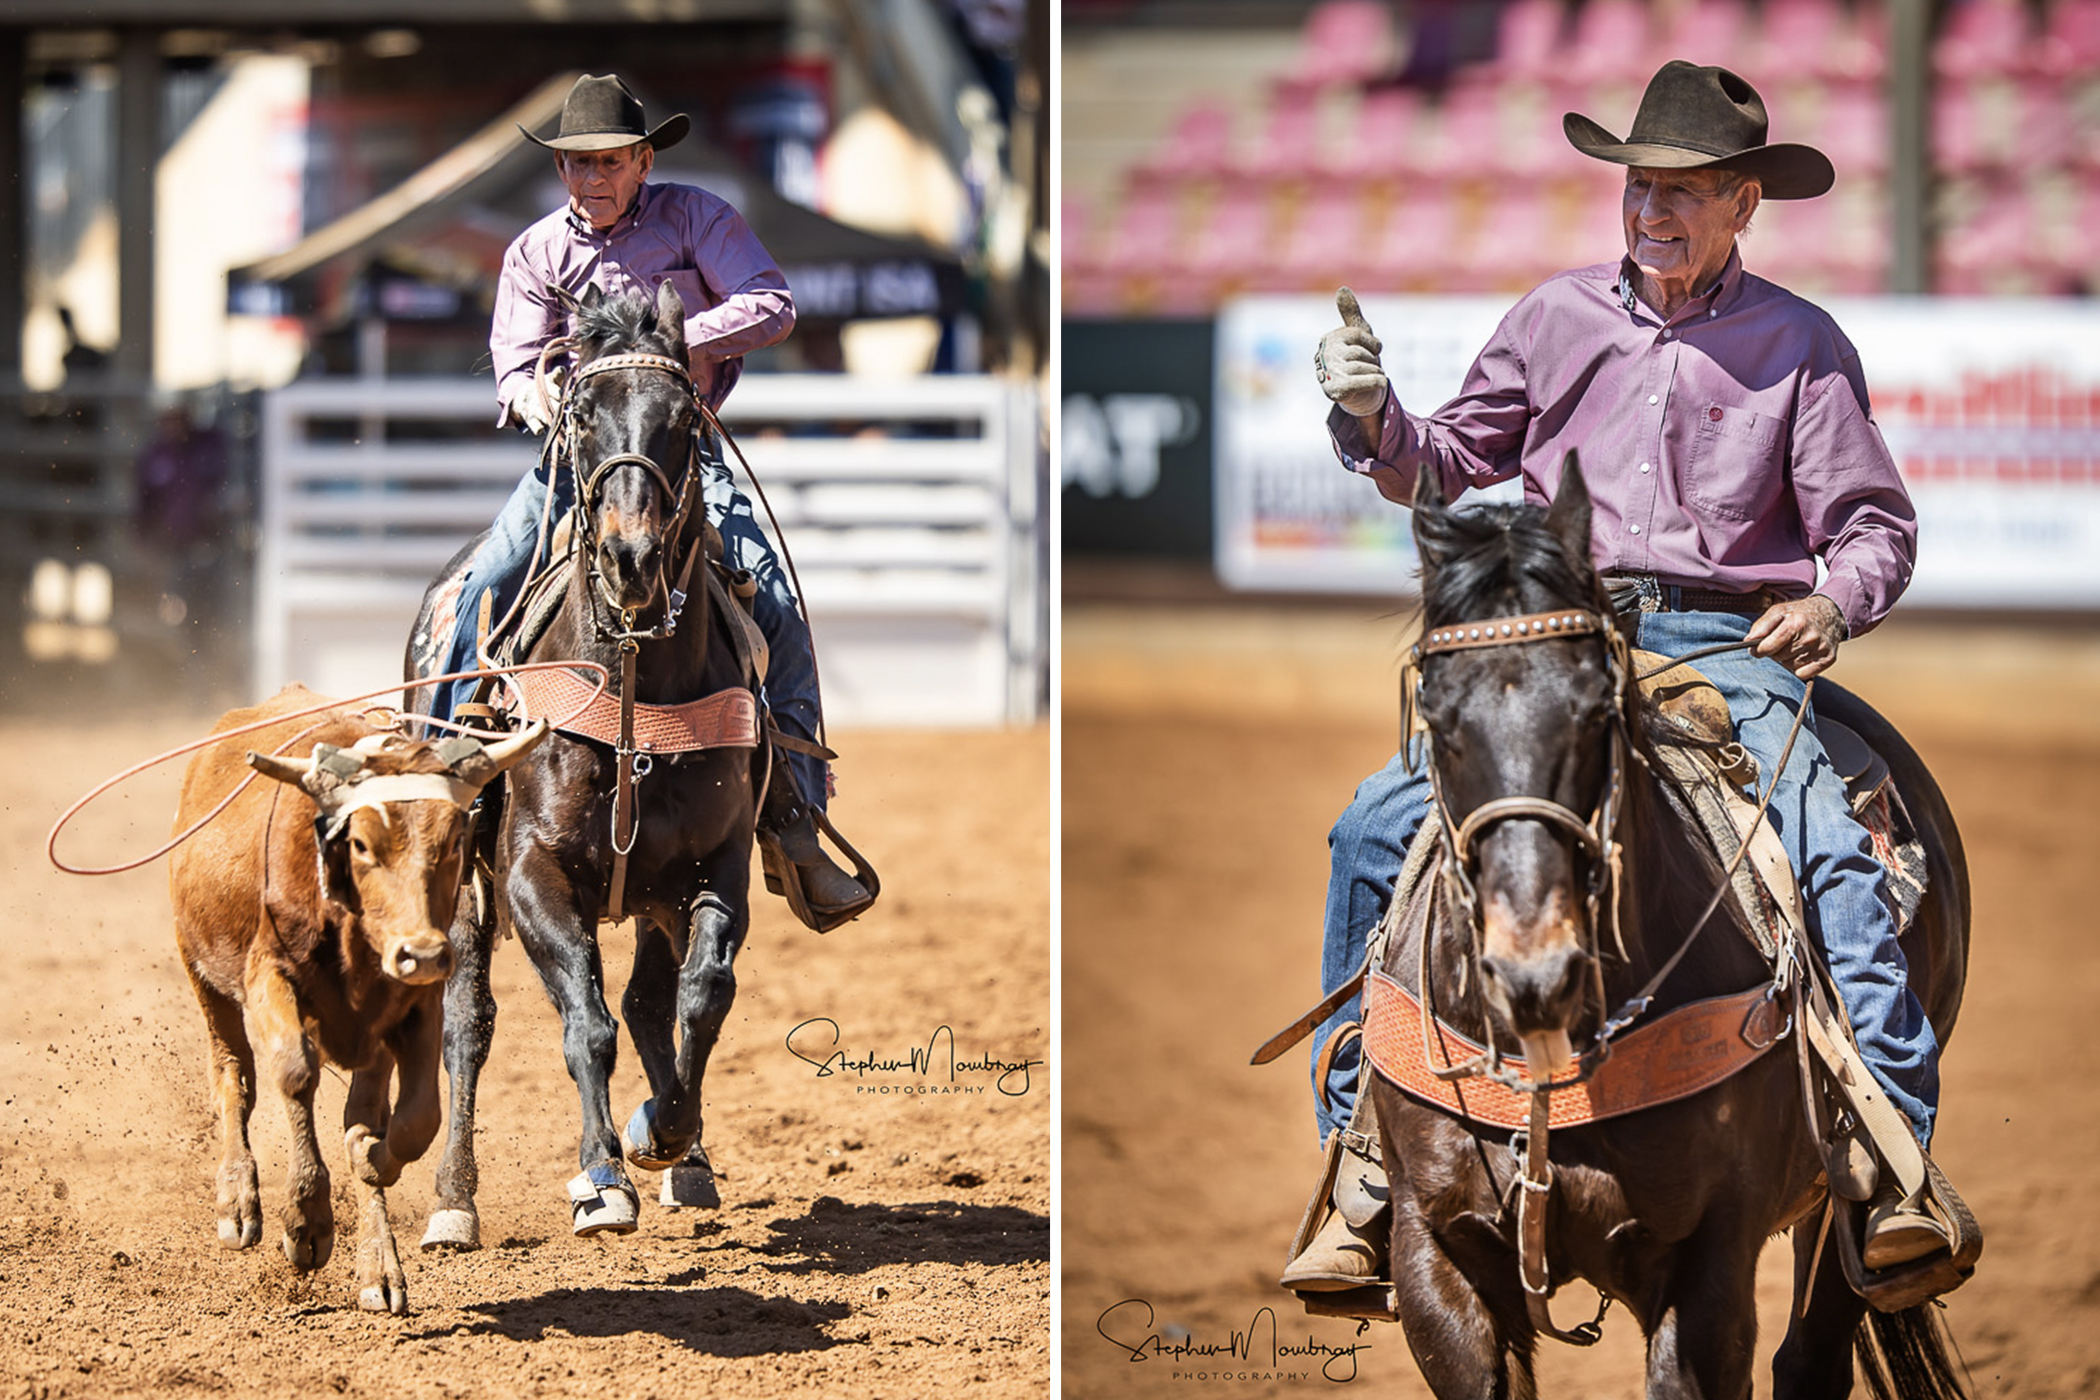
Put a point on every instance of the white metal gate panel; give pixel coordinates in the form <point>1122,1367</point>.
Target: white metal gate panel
<point>913,509</point>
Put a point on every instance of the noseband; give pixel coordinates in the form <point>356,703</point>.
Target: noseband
<point>588,485</point>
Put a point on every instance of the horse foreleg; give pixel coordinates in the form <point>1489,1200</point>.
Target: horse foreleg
<point>469,1027</point>
<point>650,1003</point>
<point>382,1286</point>
<point>1703,1343</point>
<point>560,937</point>
<point>1466,1343</point>
<point>1816,1358</point>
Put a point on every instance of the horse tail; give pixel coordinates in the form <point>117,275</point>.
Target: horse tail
<point>1903,1356</point>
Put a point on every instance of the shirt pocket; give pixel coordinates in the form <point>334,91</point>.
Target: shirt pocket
<point>1735,467</point>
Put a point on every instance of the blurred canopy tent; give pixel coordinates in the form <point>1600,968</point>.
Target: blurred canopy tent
<point>437,239</point>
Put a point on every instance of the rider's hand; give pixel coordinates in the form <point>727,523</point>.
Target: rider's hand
<point>525,413</point>
<point>1347,362</point>
<point>1802,635</point>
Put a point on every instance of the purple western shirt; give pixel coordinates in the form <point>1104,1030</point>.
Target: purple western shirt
<point>1725,448</point>
<point>735,299</point>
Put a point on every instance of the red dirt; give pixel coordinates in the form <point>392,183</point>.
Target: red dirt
<point>1206,753</point>
<point>868,1244</point>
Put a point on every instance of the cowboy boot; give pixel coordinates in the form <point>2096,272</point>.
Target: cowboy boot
<point>798,868</point>
<point>1349,1248</point>
<point>1900,1228</point>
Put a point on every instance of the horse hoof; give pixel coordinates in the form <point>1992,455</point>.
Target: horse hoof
<point>639,1138</point>
<point>452,1229</point>
<point>690,1185</point>
<point>603,1201</point>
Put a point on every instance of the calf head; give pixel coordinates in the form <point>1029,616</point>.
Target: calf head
<point>390,831</point>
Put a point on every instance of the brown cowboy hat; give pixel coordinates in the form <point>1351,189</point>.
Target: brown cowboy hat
<point>1692,118</point>
<point>600,114</point>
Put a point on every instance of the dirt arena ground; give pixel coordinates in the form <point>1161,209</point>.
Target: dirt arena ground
<point>871,1241</point>
<point>1206,752</point>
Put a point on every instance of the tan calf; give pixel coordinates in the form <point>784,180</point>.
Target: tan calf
<point>311,917</point>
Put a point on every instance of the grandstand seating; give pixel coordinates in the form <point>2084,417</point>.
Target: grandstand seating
<point>1340,170</point>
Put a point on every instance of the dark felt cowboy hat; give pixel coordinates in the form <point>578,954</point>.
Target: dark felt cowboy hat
<point>1692,118</point>
<point>600,114</point>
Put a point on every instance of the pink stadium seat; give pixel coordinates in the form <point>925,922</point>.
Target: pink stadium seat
<point>1993,250</point>
<point>2071,43</point>
<point>1147,233</point>
<point>1416,249</point>
<point>1326,245</point>
<point>1345,43</point>
<point>1515,246</point>
<point>1811,38</point>
<point>1854,131</point>
<point>1983,38</point>
<point>1229,252</point>
<point>1289,139</point>
<point>1709,31</point>
<point>1199,147</point>
<point>1383,137</point>
<point>1613,39</point>
<point>1528,42</point>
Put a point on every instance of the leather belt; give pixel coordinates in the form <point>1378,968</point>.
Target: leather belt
<point>1639,593</point>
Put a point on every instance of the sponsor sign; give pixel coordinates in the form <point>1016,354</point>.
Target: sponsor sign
<point>1991,408</point>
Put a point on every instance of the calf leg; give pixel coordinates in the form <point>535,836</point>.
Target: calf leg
<point>286,1056</point>
<point>469,1026</point>
<point>232,1073</point>
<point>382,1285</point>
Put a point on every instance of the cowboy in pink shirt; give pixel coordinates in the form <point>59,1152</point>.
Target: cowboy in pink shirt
<point>1724,429</point>
<point>625,236</point>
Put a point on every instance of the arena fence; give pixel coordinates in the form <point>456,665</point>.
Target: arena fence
<point>914,510</point>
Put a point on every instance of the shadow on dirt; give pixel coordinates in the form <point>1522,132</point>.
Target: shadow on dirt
<point>839,1238</point>
<point>712,1321</point>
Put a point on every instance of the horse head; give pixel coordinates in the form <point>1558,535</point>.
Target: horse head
<point>630,413</point>
<point>1523,721</point>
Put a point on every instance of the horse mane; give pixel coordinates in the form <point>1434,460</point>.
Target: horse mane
<point>1486,556</point>
<point>615,324</point>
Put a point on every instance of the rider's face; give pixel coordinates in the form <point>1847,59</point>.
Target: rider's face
<point>602,184</point>
<point>1680,227</point>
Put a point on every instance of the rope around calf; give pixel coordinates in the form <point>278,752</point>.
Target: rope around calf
<point>398,718</point>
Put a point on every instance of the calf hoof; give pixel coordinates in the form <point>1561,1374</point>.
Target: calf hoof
<point>603,1201</point>
<point>308,1251</point>
<point>452,1229</point>
<point>382,1283</point>
<point>240,1233</point>
<point>690,1185</point>
<point>639,1138</point>
<point>240,1205</point>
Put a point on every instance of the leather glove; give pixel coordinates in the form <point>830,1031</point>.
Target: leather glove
<point>525,413</point>
<point>1347,362</point>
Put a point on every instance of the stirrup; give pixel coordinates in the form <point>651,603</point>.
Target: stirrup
<point>1906,1285</point>
<point>783,877</point>
<point>1348,1198</point>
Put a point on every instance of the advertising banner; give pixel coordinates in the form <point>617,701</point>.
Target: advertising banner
<point>1991,408</point>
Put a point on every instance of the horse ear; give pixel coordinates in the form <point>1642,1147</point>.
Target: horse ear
<point>1569,515</point>
<point>1430,516</point>
<point>670,318</point>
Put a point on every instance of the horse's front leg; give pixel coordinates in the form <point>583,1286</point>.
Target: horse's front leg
<point>470,1025</point>
<point>1703,1343</point>
<point>557,923</point>
<point>1469,1345</point>
<point>1815,1360</point>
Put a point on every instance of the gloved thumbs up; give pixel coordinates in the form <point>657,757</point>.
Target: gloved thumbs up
<point>1347,361</point>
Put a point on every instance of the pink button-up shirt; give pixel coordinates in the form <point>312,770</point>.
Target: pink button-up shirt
<point>1725,448</point>
<point>735,299</point>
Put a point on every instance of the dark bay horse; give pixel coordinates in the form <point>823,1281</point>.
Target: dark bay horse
<point>1664,1209</point>
<point>639,520</point>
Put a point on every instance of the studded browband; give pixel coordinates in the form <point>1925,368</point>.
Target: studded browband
<point>1531,627</point>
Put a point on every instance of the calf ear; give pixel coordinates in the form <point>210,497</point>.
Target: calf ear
<point>332,864</point>
<point>1569,515</point>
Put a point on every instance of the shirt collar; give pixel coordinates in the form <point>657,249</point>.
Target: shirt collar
<point>1722,293</point>
<point>627,220</point>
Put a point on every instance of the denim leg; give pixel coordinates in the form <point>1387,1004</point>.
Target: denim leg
<point>791,666</point>
<point>499,566</point>
<point>1366,850</point>
<point>1843,886</point>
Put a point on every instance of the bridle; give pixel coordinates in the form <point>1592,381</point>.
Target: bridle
<point>588,485</point>
<point>1595,835</point>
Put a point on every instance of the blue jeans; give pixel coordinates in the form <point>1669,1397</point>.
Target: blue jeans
<point>500,564</point>
<point>1842,884</point>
